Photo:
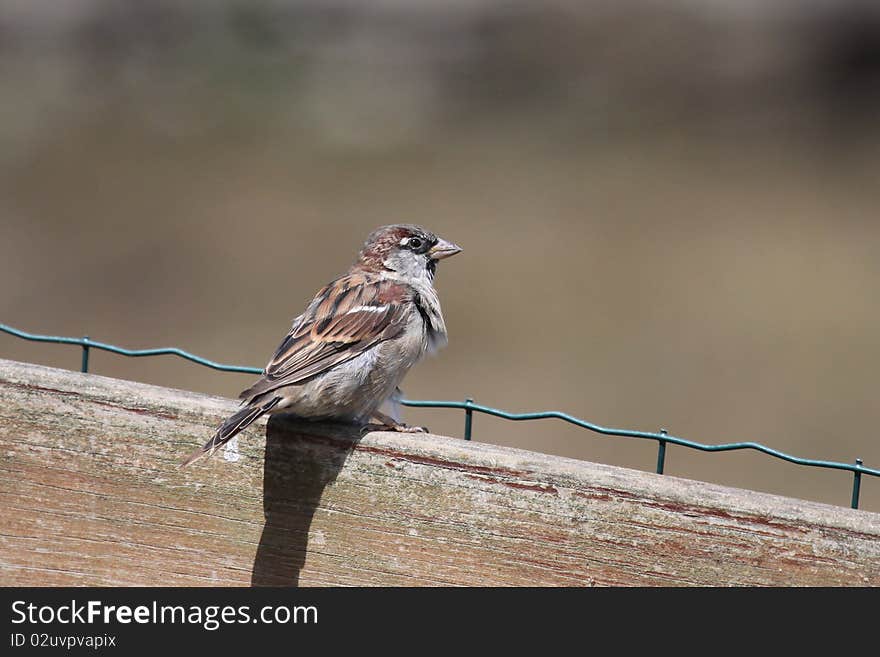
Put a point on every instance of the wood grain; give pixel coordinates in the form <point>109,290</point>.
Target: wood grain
<point>93,495</point>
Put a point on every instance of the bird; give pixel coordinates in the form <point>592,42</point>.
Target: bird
<point>345,356</point>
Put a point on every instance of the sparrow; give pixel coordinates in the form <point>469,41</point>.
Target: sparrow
<point>346,355</point>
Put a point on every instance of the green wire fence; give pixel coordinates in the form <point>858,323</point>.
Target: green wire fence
<point>470,407</point>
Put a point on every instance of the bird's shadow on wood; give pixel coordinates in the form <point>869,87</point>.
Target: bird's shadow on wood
<point>301,460</point>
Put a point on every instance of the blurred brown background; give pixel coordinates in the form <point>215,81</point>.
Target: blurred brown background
<point>668,210</point>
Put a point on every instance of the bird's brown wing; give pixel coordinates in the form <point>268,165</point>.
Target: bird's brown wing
<point>347,317</point>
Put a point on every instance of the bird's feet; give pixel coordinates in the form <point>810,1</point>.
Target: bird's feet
<point>387,423</point>
<point>397,426</point>
<point>405,428</point>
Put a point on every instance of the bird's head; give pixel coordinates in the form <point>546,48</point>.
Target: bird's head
<point>408,250</point>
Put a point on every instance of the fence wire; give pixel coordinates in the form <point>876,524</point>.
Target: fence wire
<point>469,406</point>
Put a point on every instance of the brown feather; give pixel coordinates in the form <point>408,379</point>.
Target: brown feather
<point>331,332</point>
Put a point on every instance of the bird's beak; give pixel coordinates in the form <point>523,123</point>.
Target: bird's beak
<point>443,249</point>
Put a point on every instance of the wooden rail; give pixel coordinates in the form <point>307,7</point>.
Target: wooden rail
<point>92,495</point>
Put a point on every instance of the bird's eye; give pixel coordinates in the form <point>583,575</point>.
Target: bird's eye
<point>415,243</point>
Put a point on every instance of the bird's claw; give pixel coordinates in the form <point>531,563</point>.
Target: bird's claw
<point>403,428</point>
<point>400,428</point>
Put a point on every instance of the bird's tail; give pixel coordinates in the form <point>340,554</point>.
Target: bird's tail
<point>230,427</point>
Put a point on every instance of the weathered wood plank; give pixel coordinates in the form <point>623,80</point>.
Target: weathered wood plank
<point>92,493</point>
